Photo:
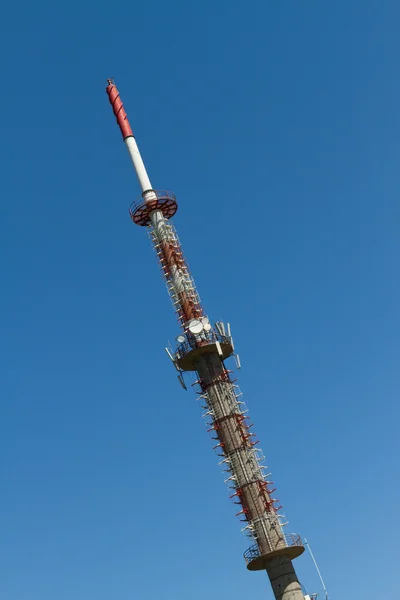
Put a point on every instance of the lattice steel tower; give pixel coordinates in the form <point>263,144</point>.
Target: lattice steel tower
<point>203,349</point>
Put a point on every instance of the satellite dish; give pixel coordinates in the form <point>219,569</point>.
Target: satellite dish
<point>205,321</point>
<point>196,326</point>
<point>207,326</point>
<point>180,339</point>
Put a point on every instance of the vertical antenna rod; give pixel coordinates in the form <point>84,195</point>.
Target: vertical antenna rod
<point>316,566</point>
<point>154,212</point>
<point>203,350</point>
<point>127,135</point>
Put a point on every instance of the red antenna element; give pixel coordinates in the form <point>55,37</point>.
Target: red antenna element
<point>202,349</point>
<point>118,108</point>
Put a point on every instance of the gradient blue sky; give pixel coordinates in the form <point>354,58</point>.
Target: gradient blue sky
<point>276,124</point>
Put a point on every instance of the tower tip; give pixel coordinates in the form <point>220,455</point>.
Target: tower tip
<point>118,108</point>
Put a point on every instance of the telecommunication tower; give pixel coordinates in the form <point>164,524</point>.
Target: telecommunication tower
<point>203,348</point>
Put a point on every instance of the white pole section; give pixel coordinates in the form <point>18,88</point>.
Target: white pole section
<point>138,163</point>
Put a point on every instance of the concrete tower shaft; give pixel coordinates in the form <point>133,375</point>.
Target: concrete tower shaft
<point>203,349</point>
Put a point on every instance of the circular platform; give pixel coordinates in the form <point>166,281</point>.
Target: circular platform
<point>186,356</point>
<point>291,546</point>
<point>260,563</point>
<point>165,202</point>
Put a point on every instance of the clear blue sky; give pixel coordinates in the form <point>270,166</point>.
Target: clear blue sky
<point>277,125</point>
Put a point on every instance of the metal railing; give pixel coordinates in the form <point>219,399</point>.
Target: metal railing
<point>163,195</point>
<point>202,339</point>
<point>287,540</point>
